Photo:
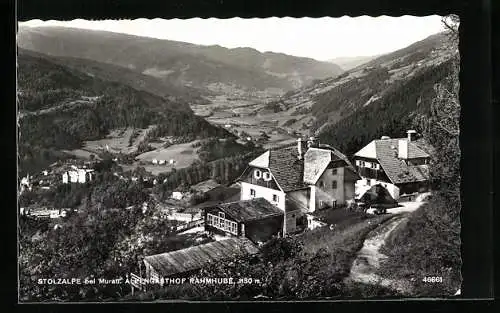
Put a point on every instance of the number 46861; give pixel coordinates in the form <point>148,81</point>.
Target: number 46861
<point>432,279</point>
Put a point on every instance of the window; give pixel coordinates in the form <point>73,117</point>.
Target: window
<point>321,184</point>
<point>362,163</point>
<point>358,163</point>
<point>334,184</point>
<point>334,171</point>
<point>252,192</point>
<point>257,173</point>
<point>275,198</point>
<point>221,223</point>
<point>222,215</point>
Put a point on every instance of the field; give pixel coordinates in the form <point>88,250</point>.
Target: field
<point>117,142</point>
<point>249,115</point>
<point>183,155</point>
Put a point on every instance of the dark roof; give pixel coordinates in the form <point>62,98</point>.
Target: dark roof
<point>226,192</point>
<point>378,195</point>
<point>287,169</point>
<point>396,169</point>
<point>247,210</point>
<point>193,258</point>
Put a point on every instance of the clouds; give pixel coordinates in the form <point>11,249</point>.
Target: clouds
<point>318,38</point>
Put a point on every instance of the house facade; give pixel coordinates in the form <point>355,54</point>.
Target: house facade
<point>300,179</point>
<point>397,164</point>
<point>78,175</point>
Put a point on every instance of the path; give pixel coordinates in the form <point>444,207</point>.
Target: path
<point>369,257</point>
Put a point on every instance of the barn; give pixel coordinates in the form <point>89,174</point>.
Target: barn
<point>256,219</point>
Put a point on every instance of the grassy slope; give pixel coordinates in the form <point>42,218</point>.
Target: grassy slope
<point>427,245</point>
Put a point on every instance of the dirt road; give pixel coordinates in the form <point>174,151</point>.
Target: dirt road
<point>369,257</point>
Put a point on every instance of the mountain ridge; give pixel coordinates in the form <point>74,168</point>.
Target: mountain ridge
<point>180,62</point>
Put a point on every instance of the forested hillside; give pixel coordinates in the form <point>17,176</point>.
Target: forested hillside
<point>372,99</point>
<point>390,115</point>
<point>61,107</point>
<point>126,76</point>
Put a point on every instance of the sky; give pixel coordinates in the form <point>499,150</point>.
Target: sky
<point>318,38</point>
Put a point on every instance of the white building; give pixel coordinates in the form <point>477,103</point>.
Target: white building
<point>177,195</point>
<point>78,176</point>
<point>398,164</point>
<point>300,179</point>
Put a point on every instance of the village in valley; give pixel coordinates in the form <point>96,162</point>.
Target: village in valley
<point>285,191</point>
<point>200,177</point>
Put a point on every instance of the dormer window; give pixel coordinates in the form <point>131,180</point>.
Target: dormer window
<point>266,176</point>
<point>257,174</point>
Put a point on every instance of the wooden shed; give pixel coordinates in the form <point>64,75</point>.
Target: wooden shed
<point>182,262</point>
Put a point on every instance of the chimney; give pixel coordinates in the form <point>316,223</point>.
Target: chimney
<point>312,142</point>
<point>403,148</point>
<point>299,148</point>
<point>411,134</point>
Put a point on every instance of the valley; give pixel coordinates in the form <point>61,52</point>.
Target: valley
<point>151,158</point>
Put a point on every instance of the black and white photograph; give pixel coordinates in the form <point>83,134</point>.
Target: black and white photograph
<point>239,159</point>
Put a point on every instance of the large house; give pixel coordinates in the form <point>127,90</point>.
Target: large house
<point>398,164</point>
<point>300,179</point>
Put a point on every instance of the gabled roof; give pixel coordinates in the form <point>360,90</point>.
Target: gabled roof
<point>385,151</point>
<point>248,210</point>
<point>287,169</point>
<point>291,173</point>
<point>316,161</point>
<point>261,161</point>
<point>380,147</point>
<point>193,258</point>
<point>377,195</point>
<point>284,165</point>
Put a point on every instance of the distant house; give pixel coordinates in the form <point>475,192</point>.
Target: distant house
<point>154,161</point>
<point>161,162</point>
<point>398,164</point>
<point>300,179</point>
<point>78,175</point>
<point>177,195</point>
<point>256,219</point>
<point>181,263</point>
<point>184,217</point>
